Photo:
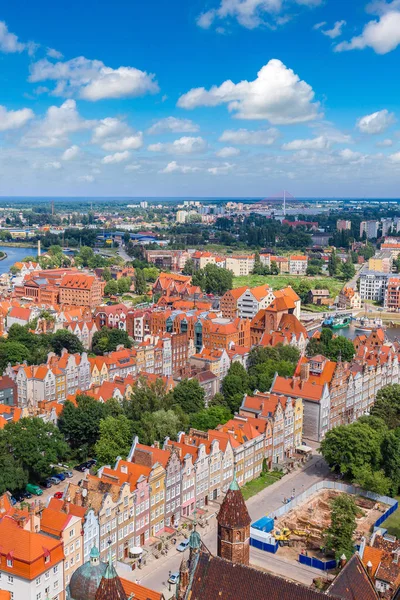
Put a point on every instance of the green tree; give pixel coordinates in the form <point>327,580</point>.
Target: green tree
<point>36,445</point>
<point>189,268</point>
<point>140,282</point>
<point>65,339</point>
<point>159,425</point>
<point>391,459</point>
<point>339,535</point>
<point>111,288</point>
<point>115,439</point>
<point>235,385</point>
<point>348,448</point>
<point>374,481</point>
<point>145,398</point>
<point>107,340</point>
<point>340,346</point>
<point>80,424</point>
<point>124,285</point>
<point>274,268</point>
<point>209,418</point>
<point>12,474</point>
<point>106,275</point>
<point>348,270</point>
<point>217,280</point>
<point>13,353</point>
<point>150,274</point>
<point>218,400</point>
<point>188,395</point>
<point>333,264</point>
<point>387,405</point>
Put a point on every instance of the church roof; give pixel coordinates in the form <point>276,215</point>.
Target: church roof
<point>86,580</point>
<point>215,578</point>
<point>111,587</point>
<point>353,582</point>
<point>233,512</point>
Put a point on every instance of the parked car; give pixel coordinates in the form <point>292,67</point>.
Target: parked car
<point>173,578</point>
<point>27,495</point>
<point>68,473</point>
<point>34,489</point>
<point>82,467</point>
<point>13,501</point>
<point>90,463</point>
<point>46,483</point>
<point>19,496</point>
<point>60,476</point>
<point>58,495</point>
<point>55,480</point>
<point>182,546</point>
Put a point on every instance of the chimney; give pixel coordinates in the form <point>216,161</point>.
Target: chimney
<point>78,498</point>
<point>156,444</point>
<point>369,568</point>
<point>342,561</point>
<point>305,371</point>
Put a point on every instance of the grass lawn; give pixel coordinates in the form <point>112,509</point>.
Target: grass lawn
<point>280,281</point>
<point>392,524</point>
<point>257,485</point>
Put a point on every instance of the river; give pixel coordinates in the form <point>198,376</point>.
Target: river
<point>14,255</point>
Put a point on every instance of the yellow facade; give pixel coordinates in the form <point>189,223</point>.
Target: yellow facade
<point>157,499</point>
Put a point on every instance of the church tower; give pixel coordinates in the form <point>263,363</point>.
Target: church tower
<point>234,527</point>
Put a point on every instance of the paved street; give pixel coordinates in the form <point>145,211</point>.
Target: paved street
<point>49,492</point>
<point>155,574</point>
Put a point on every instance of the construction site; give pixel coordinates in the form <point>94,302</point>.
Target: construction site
<point>301,530</point>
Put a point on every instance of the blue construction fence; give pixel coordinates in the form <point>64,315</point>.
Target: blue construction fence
<point>386,514</point>
<point>322,565</point>
<point>264,545</point>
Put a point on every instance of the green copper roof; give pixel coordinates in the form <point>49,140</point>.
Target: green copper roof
<point>234,485</point>
<point>94,553</point>
<point>194,540</point>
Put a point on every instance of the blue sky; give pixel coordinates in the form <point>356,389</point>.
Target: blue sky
<point>200,98</point>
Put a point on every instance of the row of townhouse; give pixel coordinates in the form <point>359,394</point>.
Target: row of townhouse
<point>337,393</point>
<point>44,555</point>
<point>59,377</point>
<point>131,504</point>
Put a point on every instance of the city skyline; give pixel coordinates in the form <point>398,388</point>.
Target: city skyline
<point>218,98</point>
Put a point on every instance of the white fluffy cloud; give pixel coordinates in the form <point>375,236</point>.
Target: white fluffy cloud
<point>92,79</point>
<point>110,127</point>
<point>118,157</point>
<point>130,142</point>
<point>86,178</point>
<point>54,53</point>
<point>395,158</point>
<point>250,13</point>
<point>174,167</point>
<point>376,122</point>
<point>349,155</point>
<point>9,42</point>
<point>13,119</point>
<point>318,143</point>
<point>70,153</point>
<point>382,35</point>
<point>174,125</point>
<point>385,143</point>
<point>336,30</point>
<point>262,137</point>
<point>184,145</point>
<point>221,169</point>
<point>52,165</point>
<point>277,95</point>
<point>52,131</point>
<point>227,152</point>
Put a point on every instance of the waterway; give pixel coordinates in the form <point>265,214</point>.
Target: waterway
<point>14,255</point>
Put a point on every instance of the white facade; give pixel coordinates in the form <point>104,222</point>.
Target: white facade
<point>49,584</point>
<point>373,285</point>
<point>91,534</point>
<point>248,305</point>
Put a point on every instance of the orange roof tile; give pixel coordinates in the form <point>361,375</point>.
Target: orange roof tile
<point>139,592</point>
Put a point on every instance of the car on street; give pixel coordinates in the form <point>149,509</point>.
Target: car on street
<point>34,489</point>
<point>27,495</point>
<point>68,474</point>
<point>173,578</point>
<point>182,546</point>
<point>82,467</point>
<point>19,496</point>
<point>60,476</point>
<point>58,495</point>
<point>55,480</point>
<point>46,483</point>
<point>90,463</point>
